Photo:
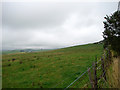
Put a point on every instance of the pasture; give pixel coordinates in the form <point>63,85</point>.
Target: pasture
<point>48,69</point>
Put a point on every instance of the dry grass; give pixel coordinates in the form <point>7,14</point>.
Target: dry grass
<point>113,73</point>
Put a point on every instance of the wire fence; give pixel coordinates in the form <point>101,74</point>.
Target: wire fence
<point>95,76</point>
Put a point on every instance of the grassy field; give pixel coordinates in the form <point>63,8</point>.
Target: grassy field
<point>49,69</point>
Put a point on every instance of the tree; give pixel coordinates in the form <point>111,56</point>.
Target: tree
<point>111,33</point>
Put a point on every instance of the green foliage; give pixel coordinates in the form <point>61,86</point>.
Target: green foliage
<point>111,33</point>
<point>47,69</point>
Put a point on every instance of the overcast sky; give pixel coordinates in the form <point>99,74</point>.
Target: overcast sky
<point>53,24</point>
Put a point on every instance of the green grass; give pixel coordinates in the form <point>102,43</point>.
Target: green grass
<point>47,69</point>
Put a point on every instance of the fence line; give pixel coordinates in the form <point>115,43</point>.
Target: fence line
<point>80,76</point>
<point>95,76</point>
<point>70,76</point>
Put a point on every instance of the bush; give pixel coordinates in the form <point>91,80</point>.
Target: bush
<point>111,33</point>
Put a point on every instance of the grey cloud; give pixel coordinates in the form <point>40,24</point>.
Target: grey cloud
<point>22,15</point>
<point>52,25</point>
<point>28,15</point>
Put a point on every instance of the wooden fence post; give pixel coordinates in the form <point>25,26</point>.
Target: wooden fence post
<point>90,78</point>
<point>95,75</point>
<point>109,56</point>
<point>105,59</point>
<point>103,67</point>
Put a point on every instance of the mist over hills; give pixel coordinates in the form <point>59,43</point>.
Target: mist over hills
<point>7,51</point>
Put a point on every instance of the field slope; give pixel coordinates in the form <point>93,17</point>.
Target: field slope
<point>49,69</point>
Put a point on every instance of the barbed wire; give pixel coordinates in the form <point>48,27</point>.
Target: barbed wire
<point>75,80</point>
<point>70,76</point>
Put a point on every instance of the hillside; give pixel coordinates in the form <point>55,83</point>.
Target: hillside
<point>49,69</point>
<point>23,51</point>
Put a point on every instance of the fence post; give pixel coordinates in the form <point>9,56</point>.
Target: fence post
<point>95,75</point>
<point>103,68</point>
<point>105,59</point>
<point>109,56</point>
<point>90,78</point>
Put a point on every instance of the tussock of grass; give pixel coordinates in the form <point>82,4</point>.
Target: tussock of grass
<point>113,73</point>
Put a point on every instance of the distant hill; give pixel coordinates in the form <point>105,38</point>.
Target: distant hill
<point>100,42</point>
<point>36,50</point>
<point>23,51</point>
